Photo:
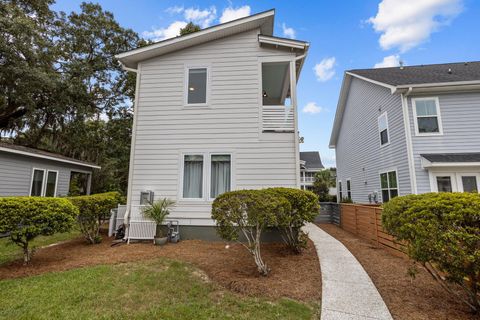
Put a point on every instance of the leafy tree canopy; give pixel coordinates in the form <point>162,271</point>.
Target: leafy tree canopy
<point>190,28</point>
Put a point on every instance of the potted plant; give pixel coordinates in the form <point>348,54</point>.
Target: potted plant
<point>158,211</point>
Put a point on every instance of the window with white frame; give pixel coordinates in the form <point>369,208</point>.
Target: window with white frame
<point>44,183</point>
<point>220,174</point>
<point>349,189</point>
<point>197,86</point>
<point>389,185</point>
<point>193,176</point>
<point>383,129</point>
<point>427,114</point>
<point>340,192</point>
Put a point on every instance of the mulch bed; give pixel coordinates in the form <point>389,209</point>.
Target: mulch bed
<point>292,276</point>
<point>421,298</point>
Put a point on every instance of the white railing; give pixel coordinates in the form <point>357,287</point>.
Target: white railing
<point>278,118</point>
<point>307,179</point>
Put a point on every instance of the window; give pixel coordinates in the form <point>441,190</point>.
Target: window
<point>383,129</point>
<point>427,113</point>
<point>51,184</point>
<point>349,189</point>
<point>197,86</point>
<point>37,183</point>
<point>44,186</point>
<point>444,184</point>
<point>340,193</point>
<point>220,172</point>
<point>389,185</point>
<point>469,184</point>
<point>193,176</point>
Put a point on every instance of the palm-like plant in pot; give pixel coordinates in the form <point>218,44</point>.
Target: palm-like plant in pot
<point>158,211</point>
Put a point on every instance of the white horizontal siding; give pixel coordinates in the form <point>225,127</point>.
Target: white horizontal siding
<point>359,155</point>
<point>231,123</point>
<point>460,114</point>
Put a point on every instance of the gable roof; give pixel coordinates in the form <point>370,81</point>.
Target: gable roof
<point>443,77</point>
<point>312,159</point>
<point>36,153</point>
<point>423,74</point>
<point>263,20</point>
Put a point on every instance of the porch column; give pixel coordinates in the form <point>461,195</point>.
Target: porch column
<point>89,182</point>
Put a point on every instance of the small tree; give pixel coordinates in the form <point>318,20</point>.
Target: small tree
<point>321,185</point>
<point>158,210</point>
<point>189,28</point>
<point>247,212</point>
<point>25,218</point>
<point>94,209</point>
<point>442,233</point>
<point>304,207</point>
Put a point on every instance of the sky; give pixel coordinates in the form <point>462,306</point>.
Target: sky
<point>343,35</point>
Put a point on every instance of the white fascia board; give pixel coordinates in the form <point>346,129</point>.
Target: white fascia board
<point>392,88</point>
<point>296,44</point>
<point>428,164</point>
<point>41,156</point>
<point>347,78</point>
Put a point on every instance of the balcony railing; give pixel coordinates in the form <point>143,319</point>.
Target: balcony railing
<point>278,118</point>
<point>307,179</point>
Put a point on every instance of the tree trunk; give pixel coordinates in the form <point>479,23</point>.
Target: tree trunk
<point>26,254</point>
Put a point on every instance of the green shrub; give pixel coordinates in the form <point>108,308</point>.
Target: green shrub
<point>94,209</point>
<point>25,218</point>
<point>304,207</point>
<point>442,233</point>
<point>247,212</point>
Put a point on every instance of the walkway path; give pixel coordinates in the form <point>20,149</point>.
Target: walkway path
<point>347,291</point>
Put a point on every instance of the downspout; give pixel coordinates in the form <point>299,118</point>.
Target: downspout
<point>296,136</point>
<point>126,217</point>
<point>408,138</point>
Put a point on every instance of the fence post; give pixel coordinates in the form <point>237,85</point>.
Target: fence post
<point>376,225</point>
<point>356,220</point>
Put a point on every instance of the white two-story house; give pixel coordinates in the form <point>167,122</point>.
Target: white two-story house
<point>215,110</point>
<point>407,130</point>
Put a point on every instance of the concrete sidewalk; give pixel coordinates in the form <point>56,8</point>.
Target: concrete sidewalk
<point>347,290</point>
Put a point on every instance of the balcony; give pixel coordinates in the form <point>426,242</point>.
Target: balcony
<point>278,119</point>
<point>307,179</point>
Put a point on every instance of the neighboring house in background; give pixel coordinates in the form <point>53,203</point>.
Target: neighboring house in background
<point>408,130</point>
<point>32,172</point>
<point>310,164</point>
<point>215,110</point>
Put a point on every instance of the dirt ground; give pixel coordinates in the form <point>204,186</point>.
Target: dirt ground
<point>292,276</point>
<point>421,298</point>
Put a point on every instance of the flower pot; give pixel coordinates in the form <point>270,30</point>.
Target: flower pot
<point>161,241</point>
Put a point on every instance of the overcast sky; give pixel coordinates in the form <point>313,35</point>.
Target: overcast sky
<point>343,35</point>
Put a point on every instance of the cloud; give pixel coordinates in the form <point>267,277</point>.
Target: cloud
<point>231,13</point>
<point>325,69</point>
<point>171,31</point>
<point>405,24</point>
<point>388,62</point>
<point>203,17</point>
<point>312,108</point>
<point>288,32</point>
<point>175,9</point>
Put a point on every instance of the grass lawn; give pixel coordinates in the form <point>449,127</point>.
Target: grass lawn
<point>153,289</point>
<point>10,251</point>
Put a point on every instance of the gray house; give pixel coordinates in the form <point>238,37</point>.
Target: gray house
<point>408,130</point>
<point>31,172</point>
<point>310,164</point>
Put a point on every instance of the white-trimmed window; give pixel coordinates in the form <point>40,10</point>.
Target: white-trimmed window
<point>349,189</point>
<point>44,183</point>
<point>196,85</point>
<point>340,192</point>
<point>427,116</point>
<point>220,174</point>
<point>389,185</point>
<point>383,129</point>
<point>193,176</point>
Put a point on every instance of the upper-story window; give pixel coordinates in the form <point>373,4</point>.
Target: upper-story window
<point>197,86</point>
<point>383,129</point>
<point>427,116</point>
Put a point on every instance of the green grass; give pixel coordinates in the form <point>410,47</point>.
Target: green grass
<point>155,289</point>
<point>10,251</point>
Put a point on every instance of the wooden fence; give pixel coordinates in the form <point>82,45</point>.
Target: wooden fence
<point>365,221</point>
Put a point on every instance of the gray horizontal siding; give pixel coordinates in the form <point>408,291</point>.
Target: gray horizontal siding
<point>359,155</point>
<point>460,114</point>
<point>231,123</point>
<point>16,174</point>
